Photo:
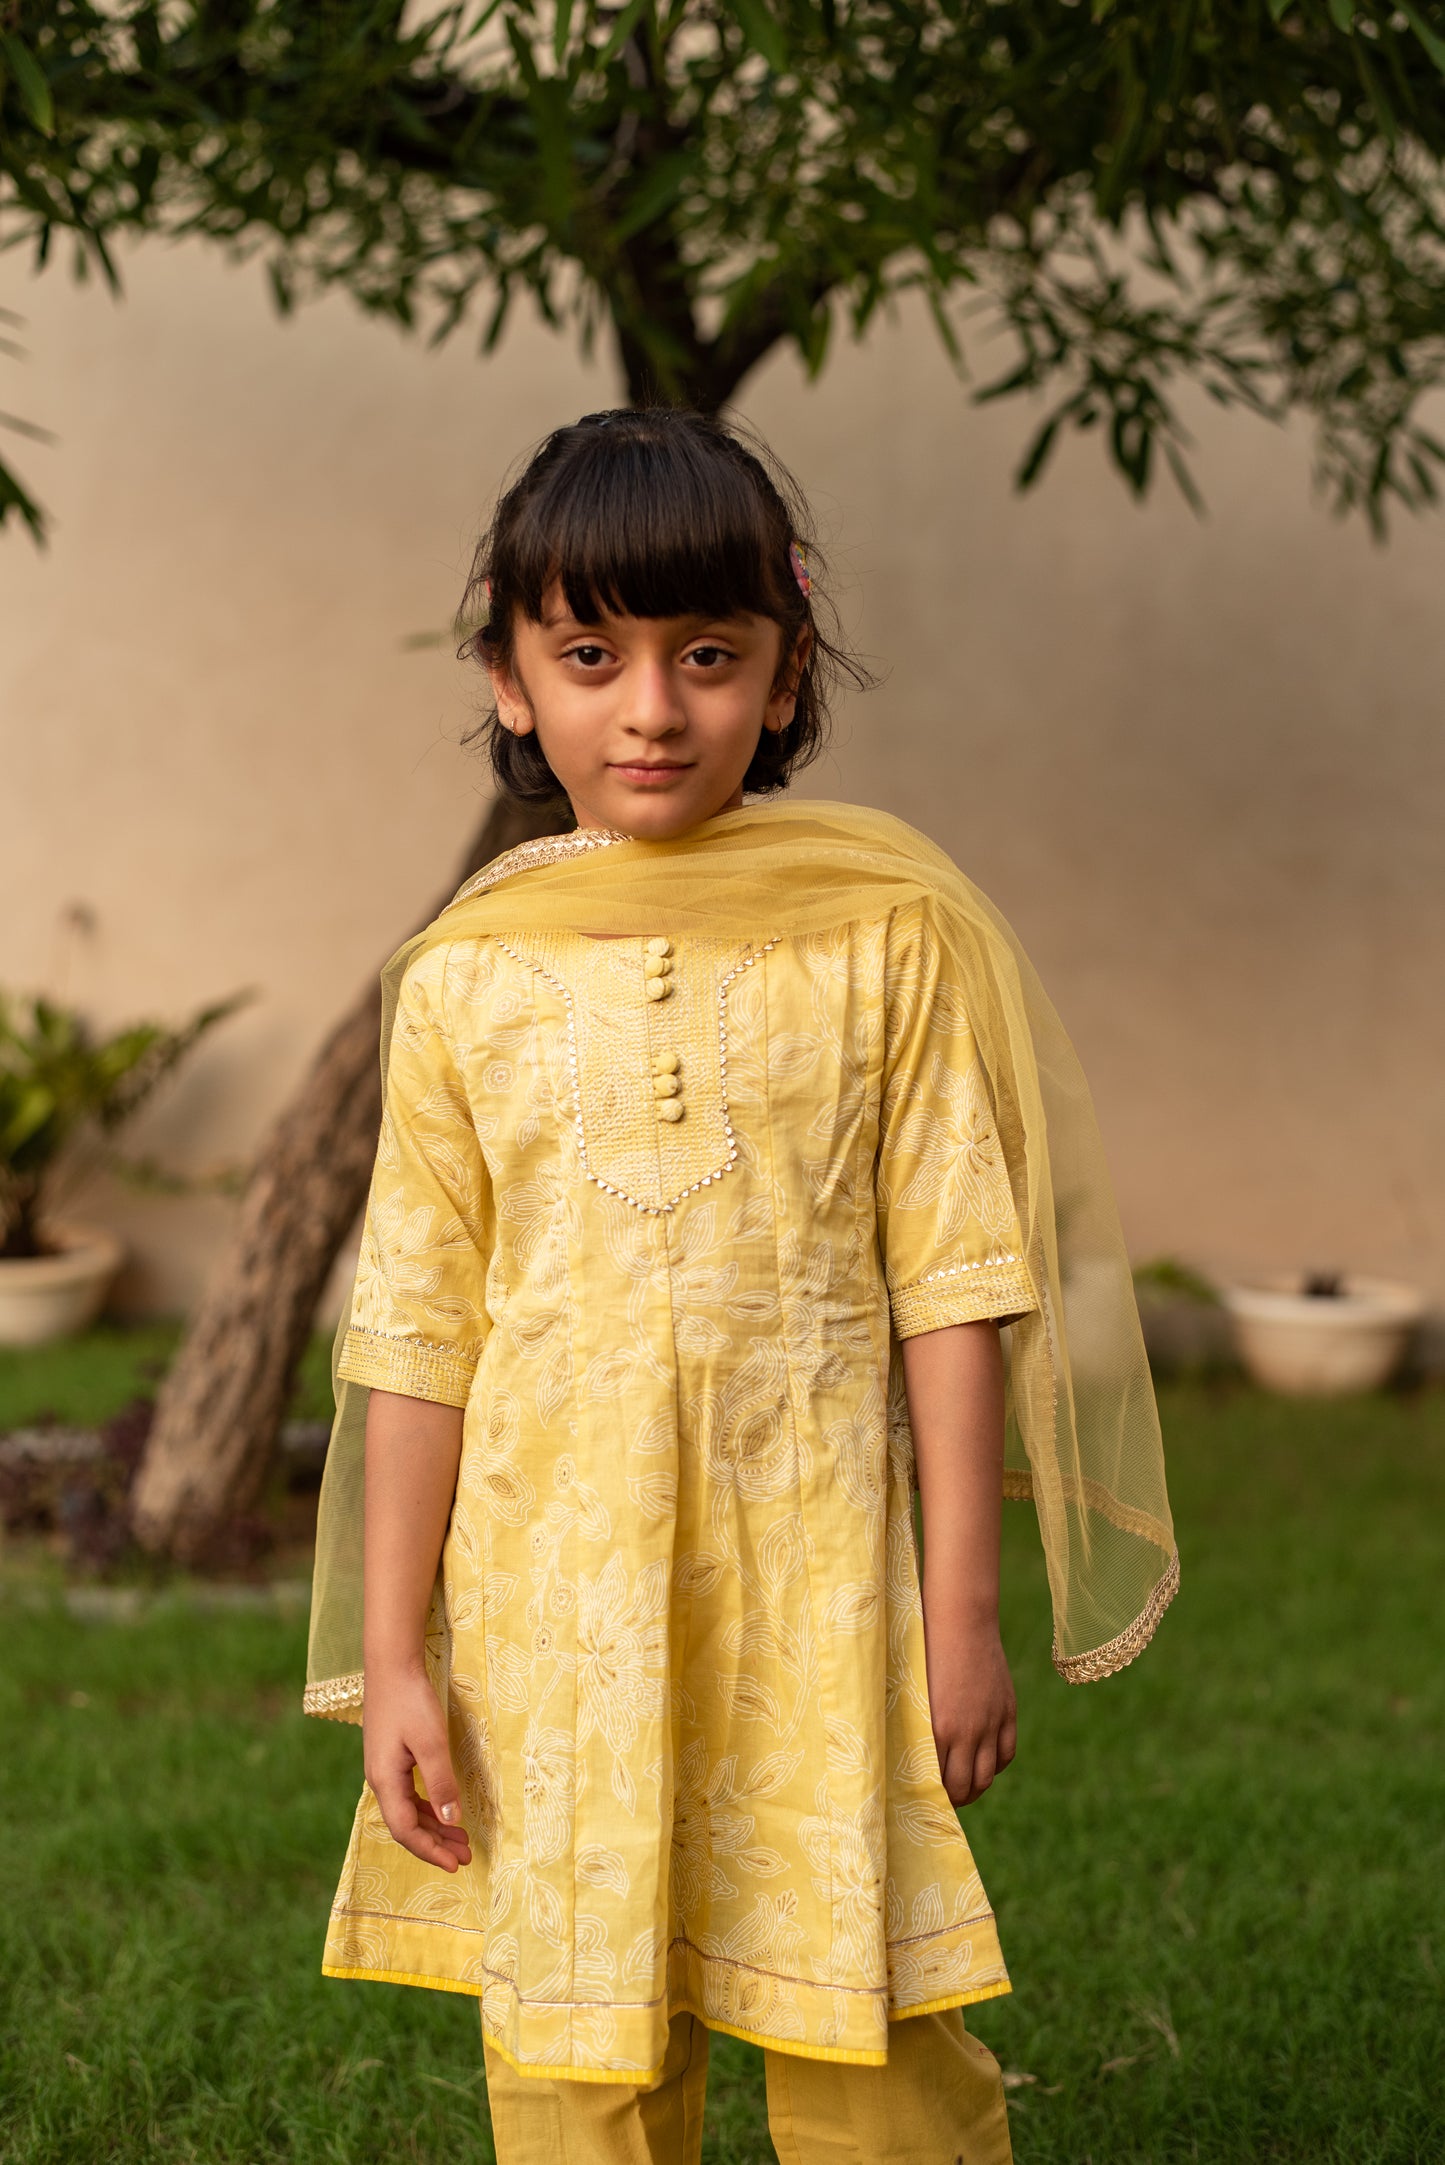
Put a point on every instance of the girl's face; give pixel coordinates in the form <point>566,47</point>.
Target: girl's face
<point>648,723</point>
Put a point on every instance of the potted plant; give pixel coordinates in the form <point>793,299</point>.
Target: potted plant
<point>1322,1334</point>
<point>59,1081</point>
<point>1186,1331</point>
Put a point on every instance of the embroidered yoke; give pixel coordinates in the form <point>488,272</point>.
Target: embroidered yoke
<point>656,1214</point>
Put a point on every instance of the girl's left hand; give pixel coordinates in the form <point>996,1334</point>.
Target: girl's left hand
<point>971,1701</point>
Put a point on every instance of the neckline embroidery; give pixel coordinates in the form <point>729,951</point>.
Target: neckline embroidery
<point>528,856</point>
<point>592,1153</point>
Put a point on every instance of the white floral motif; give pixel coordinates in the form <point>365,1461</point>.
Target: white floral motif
<point>621,1651</point>
<point>959,1169</point>
<point>683,1660</point>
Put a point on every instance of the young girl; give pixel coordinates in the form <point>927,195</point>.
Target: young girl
<point>721,1137</point>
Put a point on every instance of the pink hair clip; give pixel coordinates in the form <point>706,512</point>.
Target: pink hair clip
<point>799,563</point>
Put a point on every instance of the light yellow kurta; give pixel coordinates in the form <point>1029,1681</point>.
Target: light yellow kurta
<point>683,1657</point>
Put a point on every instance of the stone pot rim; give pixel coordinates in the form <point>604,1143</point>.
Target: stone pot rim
<point>85,1250</point>
<point>1278,1298</point>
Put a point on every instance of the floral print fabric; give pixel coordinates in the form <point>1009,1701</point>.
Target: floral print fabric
<point>661,1244</point>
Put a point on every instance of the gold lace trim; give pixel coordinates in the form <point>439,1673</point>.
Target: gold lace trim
<point>962,1293</point>
<point>414,1367</point>
<point>1117,1653</point>
<point>339,1698</point>
<point>953,1270</point>
<point>1018,1487</point>
<point>527,856</point>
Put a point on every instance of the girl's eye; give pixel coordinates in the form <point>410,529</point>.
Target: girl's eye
<point>710,657</point>
<point>589,656</point>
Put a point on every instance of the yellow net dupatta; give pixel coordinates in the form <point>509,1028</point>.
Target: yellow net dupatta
<point>1083,1437</point>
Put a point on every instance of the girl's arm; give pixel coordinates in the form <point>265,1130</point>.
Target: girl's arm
<point>954,1379</point>
<point>413,1448</point>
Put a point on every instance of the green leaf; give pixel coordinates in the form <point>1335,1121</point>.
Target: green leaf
<point>943,327</point>
<point>1342,14</point>
<point>657,192</point>
<point>25,1118</point>
<point>1278,9</point>
<point>1184,479</point>
<point>497,322</point>
<point>1433,44</point>
<point>622,30</point>
<point>30,82</point>
<point>561,29</point>
<point>32,429</point>
<point>547,103</point>
<point>763,32</point>
<point>1035,457</point>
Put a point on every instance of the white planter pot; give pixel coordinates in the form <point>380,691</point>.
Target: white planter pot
<point>49,1296</point>
<point>1321,1345</point>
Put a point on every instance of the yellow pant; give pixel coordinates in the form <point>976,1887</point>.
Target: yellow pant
<point>938,2101</point>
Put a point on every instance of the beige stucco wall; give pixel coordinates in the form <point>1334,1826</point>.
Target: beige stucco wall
<point>1200,765</point>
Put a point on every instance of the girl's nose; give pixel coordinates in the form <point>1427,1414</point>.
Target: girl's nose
<point>652,706</point>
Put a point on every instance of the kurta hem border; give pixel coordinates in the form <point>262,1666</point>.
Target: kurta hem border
<point>640,2077</point>
<point>402,1977</point>
<point>998,1991</point>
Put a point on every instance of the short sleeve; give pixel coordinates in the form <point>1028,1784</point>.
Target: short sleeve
<point>952,1249</point>
<point>418,1318</point>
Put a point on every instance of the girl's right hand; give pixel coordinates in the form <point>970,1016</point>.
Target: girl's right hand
<point>403,1728</point>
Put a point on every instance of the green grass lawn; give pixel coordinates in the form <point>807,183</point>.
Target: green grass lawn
<point>81,1382</point>
<point>1220,1877</point>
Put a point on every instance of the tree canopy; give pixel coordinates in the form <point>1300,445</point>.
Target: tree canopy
<point>1241,194</point>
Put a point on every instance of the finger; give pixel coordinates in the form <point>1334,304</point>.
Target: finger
<point>426,1840</point>
<point>439,1826</point>
<point>456,1838</point>
<point>957,1772</point>
<point>392,1788</point>
<point>434,1764</point>
<point>985,1766</point>
<point>395,1793</point>
<point>1008,1742</point>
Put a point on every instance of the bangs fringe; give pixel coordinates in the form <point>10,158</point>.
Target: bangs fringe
<point>653,512</point>
<point>654,525</point>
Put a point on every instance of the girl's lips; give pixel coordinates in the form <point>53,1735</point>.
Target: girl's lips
<point>649,773</point>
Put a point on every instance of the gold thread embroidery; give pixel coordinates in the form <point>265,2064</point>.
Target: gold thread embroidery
<point>391,1361</point>
<point>528,856</point>
<point>1018,1487</point>
<point>339,1698</point>
<point>666,1206</point>
<point>996,1288</point>
<point>952,1270</point>
<point>1117,1653</point>
<point>960,1924</point>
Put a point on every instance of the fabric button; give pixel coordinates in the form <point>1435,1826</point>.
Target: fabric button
<point>670,1109</point>
<point>657,988</point>
<point>666,1086</point>
<point>659,946</point>
<point>665,1063</point>
<point>657,966</point>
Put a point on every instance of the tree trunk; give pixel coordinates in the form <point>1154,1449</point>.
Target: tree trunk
<point>220,1407</point>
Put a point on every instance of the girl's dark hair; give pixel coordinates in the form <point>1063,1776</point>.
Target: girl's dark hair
<point>654,512</point>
